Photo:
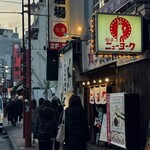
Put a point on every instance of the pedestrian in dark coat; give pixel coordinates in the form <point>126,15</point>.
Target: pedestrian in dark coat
<point>13,112</point>
<point>58,108</point>
<point>9,117</point>
<point>19,104</point>
<point>76,125</point>
<point>41,100</point>
<point>45,127</point>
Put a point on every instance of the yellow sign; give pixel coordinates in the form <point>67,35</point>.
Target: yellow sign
<point>118,33</point>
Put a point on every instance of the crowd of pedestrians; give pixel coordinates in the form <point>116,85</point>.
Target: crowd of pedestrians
<point>14,110</point>
<point>47,116</point>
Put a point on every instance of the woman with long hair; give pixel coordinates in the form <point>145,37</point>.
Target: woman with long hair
<point>76,125</point>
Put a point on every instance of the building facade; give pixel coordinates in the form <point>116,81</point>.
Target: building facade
<point>53,26</point>
<point>10,44</point>
<point>86,70</point>
<point>127,72</point>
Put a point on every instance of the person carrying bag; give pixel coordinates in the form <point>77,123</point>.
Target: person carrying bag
<point>45,126</point>
<point>60,137</point>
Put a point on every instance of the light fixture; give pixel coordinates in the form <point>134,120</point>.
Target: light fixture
<point>83,83</point>
<point>101,56</point>
<point>88,83</point>
<point>80,29</point>
<point>92,30</point>
<point>100,81</point>
<point>6,70</point>
<point>6,67</point>
<point>61,55</point>
<point>94,81</point>
<point>2,80</point>
<point>106,79</point>
<point>120,56</point>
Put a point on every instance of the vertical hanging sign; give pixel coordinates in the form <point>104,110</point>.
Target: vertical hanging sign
<point>16,62</point>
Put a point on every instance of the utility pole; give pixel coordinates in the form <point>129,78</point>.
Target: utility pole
<point>27,76</point>
<point>24,65</point>
<point>48,26</point>
<point>28,104</point>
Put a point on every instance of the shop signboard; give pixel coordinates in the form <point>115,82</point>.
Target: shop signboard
<point>65,74</point>
<point>93,61</point>
<point>118,33</point>
<point>56,45</point>
<point>16,73</point>
<point>59,29</point>
<point>116,120</point>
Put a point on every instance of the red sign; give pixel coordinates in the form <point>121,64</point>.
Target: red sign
<point>57,45</point>
<point>16,62</point>
<point>60,29</point>
<point>120,29</point>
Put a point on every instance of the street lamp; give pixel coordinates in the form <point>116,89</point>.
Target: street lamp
<point>4,71</point>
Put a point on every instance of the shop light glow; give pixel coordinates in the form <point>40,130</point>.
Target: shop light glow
<point>94,81</point>
<point>107,80</point>
<point>88,83</point>
<point>83,83</point>
<point>100,81</point>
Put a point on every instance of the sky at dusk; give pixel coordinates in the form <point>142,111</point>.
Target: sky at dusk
<point>11,20</point>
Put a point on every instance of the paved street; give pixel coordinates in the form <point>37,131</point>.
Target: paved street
<point>18,142</point>
<point>5,143</point>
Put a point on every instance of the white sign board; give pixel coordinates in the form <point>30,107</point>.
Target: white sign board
<point>116,119</point>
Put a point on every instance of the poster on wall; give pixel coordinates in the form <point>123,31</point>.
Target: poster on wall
<point>117,33</point>
<point>116,119</point>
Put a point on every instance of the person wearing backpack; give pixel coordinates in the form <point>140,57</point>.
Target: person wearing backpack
<point>45,127</point>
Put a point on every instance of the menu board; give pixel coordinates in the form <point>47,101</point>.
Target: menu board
<point>116,119</point>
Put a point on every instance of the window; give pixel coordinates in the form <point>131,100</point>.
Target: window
<point>59,1</point>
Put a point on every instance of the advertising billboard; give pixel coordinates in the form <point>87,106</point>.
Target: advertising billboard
<point>116,120</point>
<point>16,74</point>
<point>118,33</point>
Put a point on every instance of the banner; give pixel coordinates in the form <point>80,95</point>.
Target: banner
<point>98,94</point>
<point>92,96</point>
